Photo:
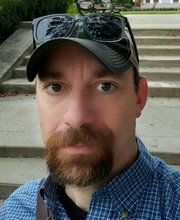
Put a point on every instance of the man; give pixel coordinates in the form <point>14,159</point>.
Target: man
<point>89,94</point>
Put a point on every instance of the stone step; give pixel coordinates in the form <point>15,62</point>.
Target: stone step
<point>155,72</point>
<point>29,145</point>
<point>160,61</point>
<point>158,31</point>
<point>161,73</point>
<point>157,40</point>
<point>164,89</point>
<point>12,51</point>
<point>16,171</point>
<point>25,60</point>
<point>20,85</point>
<point>171,156</point>
<point>156,50</point>
<point>26,24</point>
<point>152,73</point>
<point>19,72</point>
<point>18,151</point>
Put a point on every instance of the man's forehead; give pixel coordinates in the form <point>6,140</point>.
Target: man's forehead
<point>100,73</point>
<point>67,51</point>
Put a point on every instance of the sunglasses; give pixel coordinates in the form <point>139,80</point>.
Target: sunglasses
<point>102,27</point>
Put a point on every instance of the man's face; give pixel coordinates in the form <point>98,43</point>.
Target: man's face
<point>87,117</point>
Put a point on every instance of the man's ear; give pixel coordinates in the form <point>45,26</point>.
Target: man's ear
<point>142,94</point>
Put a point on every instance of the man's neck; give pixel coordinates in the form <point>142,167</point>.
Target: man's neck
<point>80,196</point>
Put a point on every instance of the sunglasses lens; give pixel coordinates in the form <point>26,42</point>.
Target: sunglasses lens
<point>104,27</point>
<point>53,27</point>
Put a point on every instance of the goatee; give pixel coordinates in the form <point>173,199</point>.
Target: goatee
<point>80,170</point>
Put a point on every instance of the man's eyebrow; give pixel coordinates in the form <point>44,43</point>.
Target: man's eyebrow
<point>45,75</point>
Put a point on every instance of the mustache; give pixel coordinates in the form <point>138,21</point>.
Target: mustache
<point>80,170</point>
<point>84,135</point>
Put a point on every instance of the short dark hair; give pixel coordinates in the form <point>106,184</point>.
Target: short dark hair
<point>137,78</point>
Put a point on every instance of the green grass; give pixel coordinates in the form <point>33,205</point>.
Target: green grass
<point>153,12</point>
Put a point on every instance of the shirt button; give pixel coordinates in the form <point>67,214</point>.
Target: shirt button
<point>125,214</point>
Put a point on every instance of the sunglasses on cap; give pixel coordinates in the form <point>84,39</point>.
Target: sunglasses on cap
<point>102,27</point>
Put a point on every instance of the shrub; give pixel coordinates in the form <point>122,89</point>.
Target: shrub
<point>14,11</point>
<point>9,15</point>
<point>128,6</point>
<point>43,7</point>
<point>72,9</point>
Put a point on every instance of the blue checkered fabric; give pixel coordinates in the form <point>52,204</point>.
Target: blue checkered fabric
<point>148,190</point>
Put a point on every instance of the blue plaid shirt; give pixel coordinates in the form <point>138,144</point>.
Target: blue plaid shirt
<point>149,189</point>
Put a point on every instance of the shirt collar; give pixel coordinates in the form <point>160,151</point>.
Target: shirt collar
<point>50,193</point>
<point>124,190</point>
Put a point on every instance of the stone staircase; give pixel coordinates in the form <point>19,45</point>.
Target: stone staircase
<point>159,51</point>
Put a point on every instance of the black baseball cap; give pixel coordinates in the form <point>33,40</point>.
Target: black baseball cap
<point>116,55</point>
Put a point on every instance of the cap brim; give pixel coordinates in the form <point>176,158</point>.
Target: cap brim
<point>113,60</point>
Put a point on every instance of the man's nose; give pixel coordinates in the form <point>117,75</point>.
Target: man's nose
<point>79,111</point>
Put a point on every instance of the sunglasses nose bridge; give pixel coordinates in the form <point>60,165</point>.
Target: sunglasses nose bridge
<point>78,17</point>
<point>78,30</point>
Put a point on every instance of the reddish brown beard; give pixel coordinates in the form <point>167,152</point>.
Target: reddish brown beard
<point>80,169</point>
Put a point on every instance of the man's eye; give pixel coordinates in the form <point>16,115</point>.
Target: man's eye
<point>54,88</point>
<point>106,87</point>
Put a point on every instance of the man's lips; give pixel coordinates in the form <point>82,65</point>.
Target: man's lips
<point>79,148</point>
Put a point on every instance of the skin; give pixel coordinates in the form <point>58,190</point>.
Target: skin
<point>82,97</point>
